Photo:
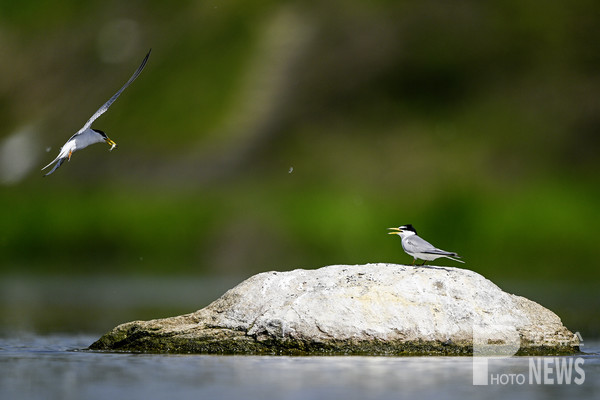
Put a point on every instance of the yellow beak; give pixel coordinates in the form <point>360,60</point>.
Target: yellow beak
<point>396,231</point>
<point>111,143</point>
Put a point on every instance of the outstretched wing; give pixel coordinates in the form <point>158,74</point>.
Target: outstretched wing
<point>106,105</point>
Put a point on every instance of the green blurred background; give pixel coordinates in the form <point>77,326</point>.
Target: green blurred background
<point>270,135</point>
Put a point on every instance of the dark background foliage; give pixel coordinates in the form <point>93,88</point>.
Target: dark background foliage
<point>276,135</point>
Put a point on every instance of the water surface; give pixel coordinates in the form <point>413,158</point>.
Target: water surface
<point>47,365</point>
<point>59,367</point>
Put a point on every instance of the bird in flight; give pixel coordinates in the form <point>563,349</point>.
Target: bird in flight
<point>87,135</point>
<point>419,248</point>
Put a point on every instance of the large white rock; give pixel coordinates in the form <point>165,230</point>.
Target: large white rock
<point>373,309</point>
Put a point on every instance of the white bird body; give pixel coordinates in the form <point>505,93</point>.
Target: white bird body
<point>79,141</point>
<point>418,247</point>
<point>86,135</point>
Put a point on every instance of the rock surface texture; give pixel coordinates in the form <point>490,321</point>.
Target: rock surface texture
<point>354,309</point>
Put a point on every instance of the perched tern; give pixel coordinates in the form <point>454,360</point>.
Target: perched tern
<point>87,135</point>
<point>419,248</point>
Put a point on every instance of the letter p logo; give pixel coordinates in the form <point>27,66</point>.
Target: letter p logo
<point>492,341</point>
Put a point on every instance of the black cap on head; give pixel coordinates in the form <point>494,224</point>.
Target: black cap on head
<point>100,132</point>
<point>408,227</point>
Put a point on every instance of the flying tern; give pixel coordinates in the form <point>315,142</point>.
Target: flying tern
<point>87,135</point>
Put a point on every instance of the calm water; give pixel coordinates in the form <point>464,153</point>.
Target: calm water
<point>58,367</point>
<point>46,365</point>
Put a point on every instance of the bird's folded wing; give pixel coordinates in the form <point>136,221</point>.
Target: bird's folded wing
<point>417,245</point>
<point>440,251</point>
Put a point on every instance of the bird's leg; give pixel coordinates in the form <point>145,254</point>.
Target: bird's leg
<point>424,261</point>
<point>413,263</point>
<point>69,156</point>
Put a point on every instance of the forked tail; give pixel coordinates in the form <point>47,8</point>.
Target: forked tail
<point>58,164</point>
